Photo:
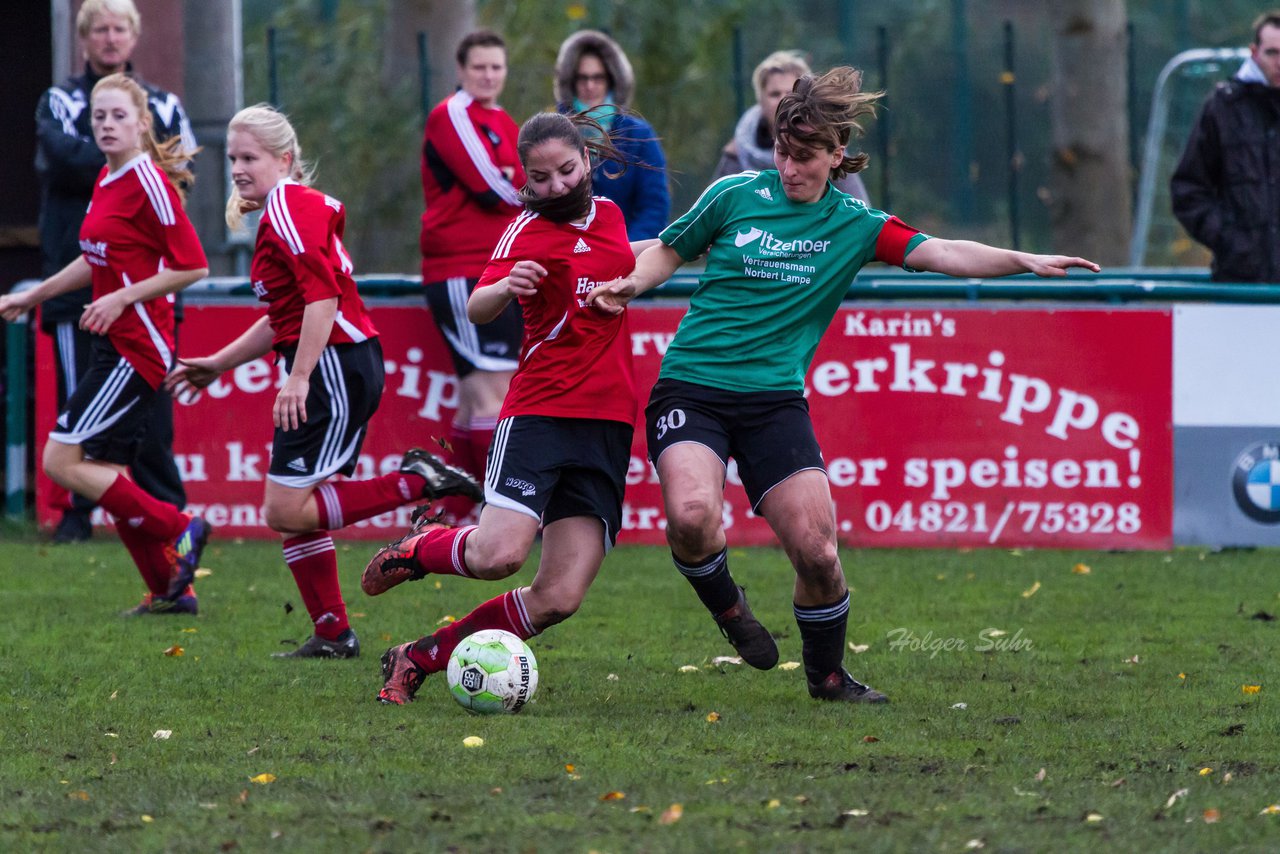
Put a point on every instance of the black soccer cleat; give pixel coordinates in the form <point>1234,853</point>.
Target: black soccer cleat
<point>842,687</point>
<point>748,636</point>
<point>346,646</point>
<point>442,479</point>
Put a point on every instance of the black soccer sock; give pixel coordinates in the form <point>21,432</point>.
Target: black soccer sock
<point>822,631</point>
<point>711,581</point>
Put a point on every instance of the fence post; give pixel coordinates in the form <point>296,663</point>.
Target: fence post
<point>884,119</point>
<point>15,443</point>
<point>1009,78</point>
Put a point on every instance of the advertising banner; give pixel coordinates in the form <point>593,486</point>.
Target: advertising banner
<point>972,427</point>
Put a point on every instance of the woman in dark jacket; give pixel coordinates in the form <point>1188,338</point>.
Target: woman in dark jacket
<point>593,76</point>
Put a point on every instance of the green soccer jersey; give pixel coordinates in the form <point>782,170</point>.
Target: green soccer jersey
<point>776,272</point>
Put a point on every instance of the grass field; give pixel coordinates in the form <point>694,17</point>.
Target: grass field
<point>1110,714</point>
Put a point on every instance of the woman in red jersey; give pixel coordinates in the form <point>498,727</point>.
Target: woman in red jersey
<point>563,442</point>
<point>317,323</point>
<point>138,248</point>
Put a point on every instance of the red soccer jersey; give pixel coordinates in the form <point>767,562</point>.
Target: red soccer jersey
<point>576,361</point>
<point>299,259</point>
<point>470,174</point>
<point>134,228</point>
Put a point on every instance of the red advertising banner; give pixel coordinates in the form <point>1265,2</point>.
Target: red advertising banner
<point>970,427</point>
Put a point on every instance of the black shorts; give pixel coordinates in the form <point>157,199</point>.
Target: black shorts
<point>107,414</point>
<point>555,468</point>
<point>768,433</point>
<point>346,387</point>
<point>493,346</point>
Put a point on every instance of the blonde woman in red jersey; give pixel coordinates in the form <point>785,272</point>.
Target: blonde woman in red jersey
<point>563,442</point>
<point>317,323</point>
<point>138,248</point>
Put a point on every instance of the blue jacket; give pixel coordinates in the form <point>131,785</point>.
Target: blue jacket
<point>640,192</point>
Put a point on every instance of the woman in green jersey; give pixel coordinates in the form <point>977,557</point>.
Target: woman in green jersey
<point>782,246</point>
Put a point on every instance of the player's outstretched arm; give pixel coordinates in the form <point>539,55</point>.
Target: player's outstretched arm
<point>75,275</point>
<point>192,374</point>
<point>654,266</point>
<point>969,258</point>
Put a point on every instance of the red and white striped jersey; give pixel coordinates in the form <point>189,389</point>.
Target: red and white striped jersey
<point>134,228</point>
<point>299,259</point>
<point>576,361</point>
<point>470,174</point>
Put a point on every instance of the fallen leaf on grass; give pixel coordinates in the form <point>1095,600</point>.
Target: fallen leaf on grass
<point>146,819</point>
<point>1182,676</point>
<point>244,796</point>
<point>689,668</point>
<point>203,573</point>
<point>1211,816</point>
<point>570,769</point>
<point>869,739</point>
<point>1175,797</point>
<point>1040,775</point>
<point>1226,778</point>
<point>190,631</point>
<point>1133,660</point>
<point>79,795</point>
<point>856,813</point>
<point>1081,569</point>
<point>961,706</point>
<point>613,796</point>
<point>473,741</point>
<point>974,844</point>
<point>726,659</point>
<point>1273,809</point>
<point>713,717</point>
<point>251,751</point>
<point>1093,817</point>
<point>1205,772</point>
<point>1250,689</point>
<point>788,665</point>
<point>162,734</point>
<point>718,782</point>
<point>496,790</point>
<point>175,651</point>
<point>439,586</point>
<point>859,648</point>
<point>113,695</point>
<point>1031,591</point>
<point>1023,794</point>
<point>671,814</point>
<point>447,619</point>
<point>612,677</point>
<point>263,779</point>
<point>773,804</point>
<point>1115,784</point>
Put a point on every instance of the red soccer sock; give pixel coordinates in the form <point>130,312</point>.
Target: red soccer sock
<point>442,551</point>
<point>314,565</point>
<point>134,508</point>
<point>151,556</point>
<point>506,612</point>
<point>344,502</point>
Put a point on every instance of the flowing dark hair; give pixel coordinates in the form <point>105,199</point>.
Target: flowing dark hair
<point>822,111</point>
<point>577,130</point>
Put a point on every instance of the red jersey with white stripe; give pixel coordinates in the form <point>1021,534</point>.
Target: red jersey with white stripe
<point>299,259</point>
<point>134,228</point>
<point>470,174</point>
<point>576,360</point>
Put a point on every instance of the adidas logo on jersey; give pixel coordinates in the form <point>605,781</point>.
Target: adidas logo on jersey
<point>581,247</point>
<point>764,193</point>
<point>298,465</point>
<point>63,420</point>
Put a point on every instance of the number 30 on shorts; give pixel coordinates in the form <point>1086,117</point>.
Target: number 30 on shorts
<point>673,420</point>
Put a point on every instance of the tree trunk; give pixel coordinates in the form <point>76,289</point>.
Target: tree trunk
<point>1091,200</point>
<point>444,22</point>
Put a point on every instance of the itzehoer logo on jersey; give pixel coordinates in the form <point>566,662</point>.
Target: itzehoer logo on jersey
<point>770,244</point>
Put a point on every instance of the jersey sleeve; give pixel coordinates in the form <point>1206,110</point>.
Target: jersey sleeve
<point>305,222</point>
<point>162,214</point>
<point>66,160</point>
<point>896,240</point>
<point>692,233</point>
<point>460,149</point>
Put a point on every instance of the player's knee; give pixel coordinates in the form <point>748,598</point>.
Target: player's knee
<point>493,562</point>
<point>557,608</point>
<point>284,520</point>
<point>692,523</point>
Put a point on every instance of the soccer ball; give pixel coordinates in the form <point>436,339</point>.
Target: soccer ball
<point>491,672</point>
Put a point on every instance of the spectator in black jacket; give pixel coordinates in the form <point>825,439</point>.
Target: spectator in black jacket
<point>1225,190</point>
<point>68,161</point>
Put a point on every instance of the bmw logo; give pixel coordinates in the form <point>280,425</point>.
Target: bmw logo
<point>1255,482</point>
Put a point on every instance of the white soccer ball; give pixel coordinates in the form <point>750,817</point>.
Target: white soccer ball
<point>492,672</point>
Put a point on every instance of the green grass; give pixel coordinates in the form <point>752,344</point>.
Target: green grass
<point>84,691</point>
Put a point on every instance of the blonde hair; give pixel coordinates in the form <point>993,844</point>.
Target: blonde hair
<point>823,111</point>
<point>271,128</point>
<point>170,156</point>
<point>92,8</point>
<point>778,62</point>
